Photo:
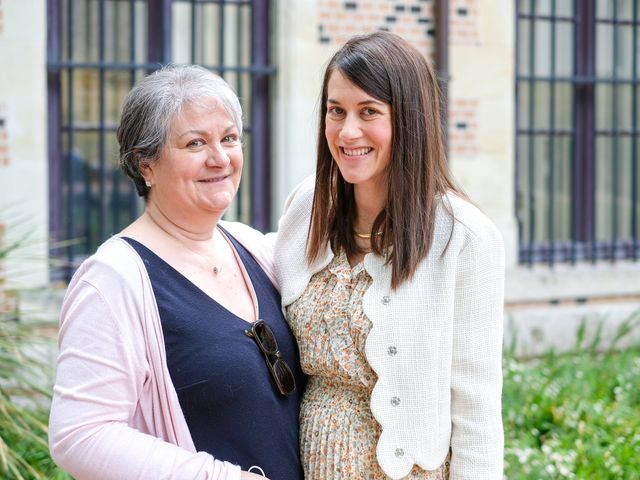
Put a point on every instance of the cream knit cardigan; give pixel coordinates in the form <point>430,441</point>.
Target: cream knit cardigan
<point>435,342</point>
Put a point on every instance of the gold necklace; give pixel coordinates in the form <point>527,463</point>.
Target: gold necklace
<point>367,236</point>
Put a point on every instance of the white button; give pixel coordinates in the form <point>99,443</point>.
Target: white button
<point>399,452</point>
<point>392,350</point>
<point>386,299</point>
<point>395,401</point>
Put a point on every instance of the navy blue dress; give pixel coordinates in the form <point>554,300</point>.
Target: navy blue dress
<point>229,400</point>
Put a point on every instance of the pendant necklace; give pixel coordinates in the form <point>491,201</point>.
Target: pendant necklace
<point>215,269</point>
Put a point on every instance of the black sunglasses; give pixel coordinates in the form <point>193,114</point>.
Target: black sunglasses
<point>280,371</point>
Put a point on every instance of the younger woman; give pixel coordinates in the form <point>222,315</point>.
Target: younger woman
<point>392,283</point>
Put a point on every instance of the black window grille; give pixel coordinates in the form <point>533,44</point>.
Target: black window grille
<point>97,49</point>
<point>577,113</point>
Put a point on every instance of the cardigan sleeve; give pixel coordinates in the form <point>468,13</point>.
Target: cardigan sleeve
<point>100,379</point>
<point>476,378</point>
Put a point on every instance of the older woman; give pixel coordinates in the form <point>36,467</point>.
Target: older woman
<point>175,360</point>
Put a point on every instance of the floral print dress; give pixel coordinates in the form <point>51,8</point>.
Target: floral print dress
<point>338,433</point>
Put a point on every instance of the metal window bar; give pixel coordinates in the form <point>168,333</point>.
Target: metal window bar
<point>193,30</point>
<point>260,142</point>
<point>133,196</point>
<point>578,79</point>
<point>552,125</point>
<point>102,168</point>
<point>552,18</point>
<point>518,157</point>
<point>442,63</point>
<point>54,113</point>
<point>151,66</point>
<point>115,176</point>
<point>87,203</point>
<point>583,243</point>
<point>634,140</point>
<point>70,184</point>
<point>531,154</point>
<point>615,163</point>
<point>221,17</point>
<point>583,161</point>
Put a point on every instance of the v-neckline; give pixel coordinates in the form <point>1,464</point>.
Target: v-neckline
<point>245,274</point>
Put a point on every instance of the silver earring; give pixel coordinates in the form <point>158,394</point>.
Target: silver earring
<point>147,183</point>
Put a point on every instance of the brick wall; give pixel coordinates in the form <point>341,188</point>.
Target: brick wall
<point>463,23</point>
<point>413,20</point>
<point>464,31</point>
<point>463,127</point>
<point>338,20</point>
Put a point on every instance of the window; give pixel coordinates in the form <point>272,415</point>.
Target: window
<point>97,49</point>
<point>577,127</point>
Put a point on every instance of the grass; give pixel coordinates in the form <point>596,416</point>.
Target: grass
<point>25,386</point>
<point>574,415</point>
<point>24,400</point>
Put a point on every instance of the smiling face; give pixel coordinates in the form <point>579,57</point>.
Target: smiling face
<point>199,168</point>
<point>359,134</point>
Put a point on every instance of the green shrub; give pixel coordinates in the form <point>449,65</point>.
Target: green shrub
<point>573,416</point>
<point>25,382</point>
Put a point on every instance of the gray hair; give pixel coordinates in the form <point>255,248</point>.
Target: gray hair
<point>151,106</point>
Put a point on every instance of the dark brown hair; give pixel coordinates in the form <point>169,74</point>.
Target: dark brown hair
<point>391,70</point>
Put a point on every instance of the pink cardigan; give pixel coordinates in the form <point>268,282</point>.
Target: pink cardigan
<point>115,413</point>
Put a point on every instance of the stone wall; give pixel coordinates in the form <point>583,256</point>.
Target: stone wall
<point>23,139</point>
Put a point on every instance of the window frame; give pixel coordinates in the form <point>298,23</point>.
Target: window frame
<point>159,47</point>
<point>583,244</point>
